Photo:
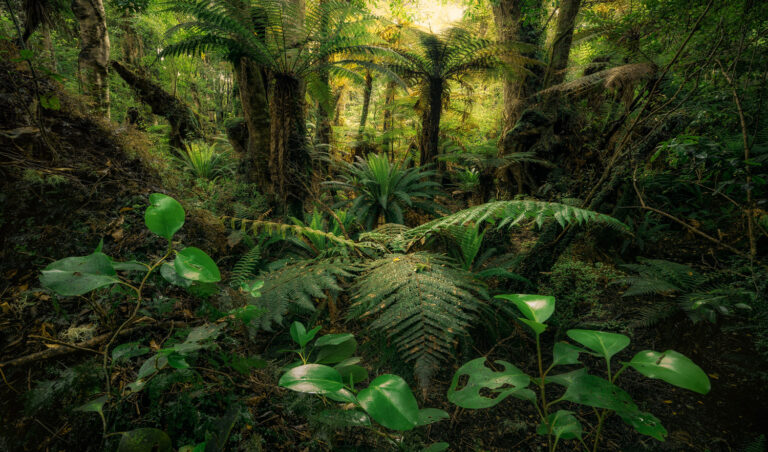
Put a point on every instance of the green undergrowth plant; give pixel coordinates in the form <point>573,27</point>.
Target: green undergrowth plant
<point>478,384</point>
<point>205,160</point>
<point>327,368</point>
<point>190,268</point>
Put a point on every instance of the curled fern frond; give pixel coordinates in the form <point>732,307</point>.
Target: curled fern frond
<point>422,302</point>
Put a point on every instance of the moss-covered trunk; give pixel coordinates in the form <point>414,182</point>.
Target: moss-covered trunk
<point>252,83</point>
<point>288,157</point>
<point>93,60</point>
<point>430,122</point>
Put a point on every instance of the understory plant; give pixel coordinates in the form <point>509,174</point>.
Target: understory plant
<point>480,385</point>
<point>328,368</point>
<point>204,160</point>
<point>190,268</point>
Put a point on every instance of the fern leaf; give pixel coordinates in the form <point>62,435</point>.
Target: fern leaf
<point>245,267</point>
<point>422,302</point>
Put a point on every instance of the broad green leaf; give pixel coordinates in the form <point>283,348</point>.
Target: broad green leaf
<point>152,365</point>
<point>312,378</point>
<point>562,424</point>
<point>130,266</point>
<point>300,335</point>
<point>352,373</point>
<point>672,367</point>
<point>192,263</point>
<point>390,402</point>
<point>430,415</point>
<point>342,395</point>
<point>481,377</point>
<point>79,275</point>
<point>537,327</point>
<point>603,343</point>
<point>177,361</point>
<point>644,423</point>
<point>95,405</point>
<point>168,272</point>
<point>164,216</point>
<point>334,348</point>
<point>436,447</point>
<point>124,352</point>
<point>599,393</point>
<point>565,353</point>
<point>565,379</point>
<point>145,440</point>
<point>537,308</point>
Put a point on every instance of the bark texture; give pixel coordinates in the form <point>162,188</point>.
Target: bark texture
<point>93,60</point>
<point>360,147</point>
<point>561,46</point>
<point>429,138</point>
<point>184,124</point>
<point>252,82</point>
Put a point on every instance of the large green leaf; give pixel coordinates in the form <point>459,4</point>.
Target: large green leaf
<point>350,372</point>
<point>537,308</point>
<point>603,343</point>
<point>562,424</point>
<point>313,379</point>
<point>672,367</point>
<point>300,335</point>
<point>164,216</point>
<point>193,264</point>
<point>390,402</point>
<point>482,378</point>
<point>644,423</point>
<point>430,415</point>
<point>145,440</point>
<point>334,348</point>
<point>565,353</point>
<point>79,275</point>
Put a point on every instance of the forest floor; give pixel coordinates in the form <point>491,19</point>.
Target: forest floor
<point>96,188</point>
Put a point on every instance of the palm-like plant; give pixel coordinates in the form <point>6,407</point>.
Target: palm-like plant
<point>204,160</point>
<point>294,45</point>
<point>432,63</point>
<point>383,190</point>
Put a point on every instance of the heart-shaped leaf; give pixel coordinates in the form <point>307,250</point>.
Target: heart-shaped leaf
<point>481,377</point>
<point>562,424</point>
<point>78,275</point>
<point>145,440</point>
<point>390,402</point>
<point>164,216</point>
<point>193,264</point>
<point>312,378</point>
<point>672,367</point>
<point>565,353</point>
<point>342,395</point>
<point>537,308</point>
<point>599,393</point>
<point>95,405</point>
<point>603,343</point>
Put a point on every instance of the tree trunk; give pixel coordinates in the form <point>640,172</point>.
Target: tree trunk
<point>288,157</point>
<point>388,123</point>
<point>252,83</point>
<point>430,123</point>
<point>561,46</point>
<point>133,45</point>
<point>361,146</point>
<point>184,124</point>
<point>93,60</point>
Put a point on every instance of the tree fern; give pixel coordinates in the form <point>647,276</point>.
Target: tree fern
<point>422,302</point>
<point>296,285</point>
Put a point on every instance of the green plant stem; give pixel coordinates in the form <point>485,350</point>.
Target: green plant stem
<point>135,311</point>
<point>598,430</point>
<point>542,389</point>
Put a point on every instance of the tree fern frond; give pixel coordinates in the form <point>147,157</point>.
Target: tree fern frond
<point>297,284</point>
<point>510,213</point>
<point>245,267</point>
<point>422,302</point>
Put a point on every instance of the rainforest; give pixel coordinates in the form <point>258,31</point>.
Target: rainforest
<point>383,225</point>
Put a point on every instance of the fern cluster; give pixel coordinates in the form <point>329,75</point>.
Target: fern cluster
<point>422,302</point>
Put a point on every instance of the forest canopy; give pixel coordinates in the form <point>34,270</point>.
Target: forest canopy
<point>422,225</point>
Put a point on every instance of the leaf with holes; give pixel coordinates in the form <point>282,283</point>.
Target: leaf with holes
<point>501,384</point>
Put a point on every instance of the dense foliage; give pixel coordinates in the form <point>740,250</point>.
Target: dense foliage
<point>252,225</point>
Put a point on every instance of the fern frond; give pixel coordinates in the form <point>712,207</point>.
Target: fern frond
<point>389,235</point>
<point>245,267</point>
<point>296,285</point>
<point>510,213</point>
<point>652,314</point>
<point>422,302</point>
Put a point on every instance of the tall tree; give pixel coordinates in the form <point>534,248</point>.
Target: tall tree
<point>93,60</point>
<point>432,63</point>
<point>561,45</point>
